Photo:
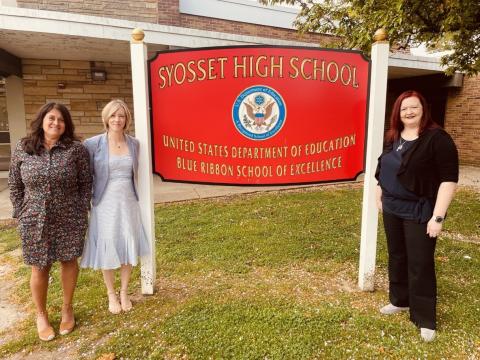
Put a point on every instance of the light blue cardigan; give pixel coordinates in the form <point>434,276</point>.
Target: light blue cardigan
<point>97,147</point>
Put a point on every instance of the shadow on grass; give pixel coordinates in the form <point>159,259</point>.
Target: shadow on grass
<point>269,276</point>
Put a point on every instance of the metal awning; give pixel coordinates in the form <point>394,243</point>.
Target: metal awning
<point>39,34</point>
<point>405,65</point>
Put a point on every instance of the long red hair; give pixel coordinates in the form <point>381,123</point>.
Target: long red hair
<point>396,125</point>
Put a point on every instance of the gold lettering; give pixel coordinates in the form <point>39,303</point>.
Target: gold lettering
<point>180,65</point>
<point>259,153</point>
<point>345,82</point>
<point>349,141</point>
<point>293,61</point>
<point>201,69</point>
<point>302,69</point>
<point>278,66</point>
<point>257,67</point>
<point>355,83</point>
<point>191,71</point>
<point>236,66</point>
<point>216,169</point>
<point>335,78</point>
<point>169,70</point>
<point>315,166</point>
<point>179,144</point>
<point>330,145</point>
<point>162,78</point>
<point>318,69</point>
<point>186,164</point>
<point>254,171</point>
<point>222,66</point>
<point>251,66</point>
<point>211,69</point>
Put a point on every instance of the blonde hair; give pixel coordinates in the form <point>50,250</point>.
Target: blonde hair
<point>111,108</point>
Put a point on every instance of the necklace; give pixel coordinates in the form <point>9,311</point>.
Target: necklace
<point>118,145</point>
<point>400,146</point>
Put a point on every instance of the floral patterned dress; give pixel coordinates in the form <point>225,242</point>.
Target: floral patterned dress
<point>50,193</point>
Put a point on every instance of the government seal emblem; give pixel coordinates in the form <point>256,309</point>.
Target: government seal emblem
<point>259,112</point>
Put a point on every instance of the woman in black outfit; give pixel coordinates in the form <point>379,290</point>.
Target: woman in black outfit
<point>417,177</point>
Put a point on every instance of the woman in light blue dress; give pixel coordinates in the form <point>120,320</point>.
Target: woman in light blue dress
<point>116,237</point>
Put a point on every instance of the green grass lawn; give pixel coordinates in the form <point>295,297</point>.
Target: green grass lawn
<point>268,276</point>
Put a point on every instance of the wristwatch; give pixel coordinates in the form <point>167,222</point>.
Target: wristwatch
<point>439,219</point>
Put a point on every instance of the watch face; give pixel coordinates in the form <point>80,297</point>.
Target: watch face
<point>438,219</point>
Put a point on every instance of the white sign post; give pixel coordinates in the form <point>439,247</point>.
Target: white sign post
<point>138,51</point>
<point>376,124</point>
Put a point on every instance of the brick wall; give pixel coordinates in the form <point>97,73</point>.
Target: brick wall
<point>83,97</point>
<point>462,120</point>
<point>166,12</point>
<point>145,10</point>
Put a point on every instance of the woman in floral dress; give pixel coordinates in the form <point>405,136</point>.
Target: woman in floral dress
<point>50,189</point>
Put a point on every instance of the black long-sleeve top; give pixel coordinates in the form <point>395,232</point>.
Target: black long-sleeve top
<point>431,160</point>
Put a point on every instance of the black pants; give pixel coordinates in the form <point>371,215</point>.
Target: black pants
<point>411,269</point>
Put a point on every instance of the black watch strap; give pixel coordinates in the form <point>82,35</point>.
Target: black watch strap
<point>439,219</point>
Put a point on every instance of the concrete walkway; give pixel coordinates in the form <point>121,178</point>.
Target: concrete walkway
<point>171,192</point>
<point>164,192</point>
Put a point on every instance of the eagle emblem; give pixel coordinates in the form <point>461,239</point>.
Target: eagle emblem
<point>259,112</point>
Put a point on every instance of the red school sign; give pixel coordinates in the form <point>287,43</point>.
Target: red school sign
<point>258,115</point>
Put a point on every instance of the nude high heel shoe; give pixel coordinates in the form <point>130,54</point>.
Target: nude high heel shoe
<point>66,327</point>
<point>46,334</point>
<point>125,300</point>
<point>113,305</point>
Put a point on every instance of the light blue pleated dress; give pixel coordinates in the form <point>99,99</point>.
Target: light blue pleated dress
<point>116,236</point>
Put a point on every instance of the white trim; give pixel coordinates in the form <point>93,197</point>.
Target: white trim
<point>52,22</point>
<point>414,62</point>
<point>68,24</point>
<point>241,10</point>
<point>12,3</point>
<point>376,122</point>
<point>145,178</point>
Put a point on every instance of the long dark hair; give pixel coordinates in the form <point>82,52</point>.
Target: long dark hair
<point>33,143</point>
<point>396,125</point>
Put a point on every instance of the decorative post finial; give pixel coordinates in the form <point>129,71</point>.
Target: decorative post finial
<point>137,35</point>
<point>380,35</point>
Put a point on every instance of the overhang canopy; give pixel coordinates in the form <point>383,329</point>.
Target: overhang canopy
<point>38,34</point>
<point>405,65</point>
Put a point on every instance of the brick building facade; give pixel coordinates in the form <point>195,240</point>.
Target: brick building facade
<point>84,98</point>
<point>167,12</point>
<point>462,120</point>
<point>145,11</point>
<point>69,80</point>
